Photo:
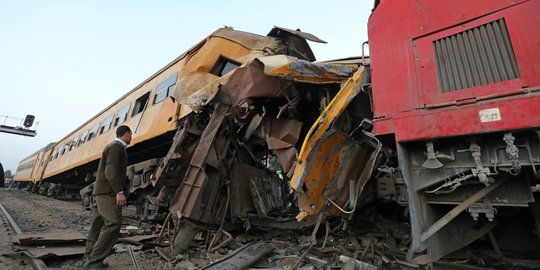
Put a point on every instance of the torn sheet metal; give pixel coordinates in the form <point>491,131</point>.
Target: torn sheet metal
<point>322,175</point>
<point>265,76</point>
<point>296,41</point>
<point>330,179</point>
<point>198,81</point>
<point>53,251</point>
<point>197,196</point>
<point>242,258</point>
<point>248,82</point>
<point>294,69</point>
<point>298,33</point>
<point>266,194</point>
<point>47,238</point>
<point>336,107</point>
<point>281,137</point>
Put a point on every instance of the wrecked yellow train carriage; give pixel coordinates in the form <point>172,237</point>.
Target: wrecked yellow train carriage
<point>334,163</point>
<point>241,148</point>
<point>156,115</point>
<point>202,79</point>
<point>152,115</point>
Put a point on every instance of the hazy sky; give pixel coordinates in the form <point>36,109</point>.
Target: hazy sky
<point>64,61</point>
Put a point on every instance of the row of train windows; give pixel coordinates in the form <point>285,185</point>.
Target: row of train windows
<point>163,90</point>
<point>222,66</point>
<point>25,166</point>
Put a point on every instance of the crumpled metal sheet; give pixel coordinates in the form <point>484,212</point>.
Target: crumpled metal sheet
<point>331,175</point>
<point>248,82</point>
<point>323,167</point>
<point>195,84</point>
<point>53,251</point>
<point>197,186</point>
<point>298,70</point>
<point>281,137</point>
<point>323,124</point>
<point>258,78</point>
<point>45,238</point>
<point>298,33</point>
<point>266,194</point>
<point>240,201</point>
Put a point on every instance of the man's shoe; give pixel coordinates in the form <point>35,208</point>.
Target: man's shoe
<point>156,201</point>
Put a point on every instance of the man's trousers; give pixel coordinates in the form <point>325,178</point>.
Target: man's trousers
<point>104,230</point>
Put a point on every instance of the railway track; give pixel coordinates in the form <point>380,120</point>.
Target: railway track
<point>11,225</point>
<point>41,214</point>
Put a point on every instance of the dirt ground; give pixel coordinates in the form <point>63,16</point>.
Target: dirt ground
<point>36,213</point>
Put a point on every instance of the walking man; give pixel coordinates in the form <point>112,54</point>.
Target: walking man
<point>110,198</point>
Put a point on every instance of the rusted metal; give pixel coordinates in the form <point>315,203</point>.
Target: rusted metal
<point>164,227</point>
<point>329,148</point>
<point>187,200</point>
<point>218,241</point>
<point>242,258</point>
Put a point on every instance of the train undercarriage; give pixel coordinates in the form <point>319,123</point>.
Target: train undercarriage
<point>464,188</point>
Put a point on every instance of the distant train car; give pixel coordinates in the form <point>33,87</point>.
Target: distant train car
<point>30,170</point>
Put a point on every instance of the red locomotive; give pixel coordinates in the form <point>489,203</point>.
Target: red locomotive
<point>455,86</point>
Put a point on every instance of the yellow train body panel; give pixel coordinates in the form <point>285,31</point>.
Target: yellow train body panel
<point>323,158</point>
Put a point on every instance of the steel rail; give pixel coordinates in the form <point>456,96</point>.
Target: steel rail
<point>37,264</point>
<point>133,259</point>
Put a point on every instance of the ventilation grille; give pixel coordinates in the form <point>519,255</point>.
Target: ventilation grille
<point>478,56</point>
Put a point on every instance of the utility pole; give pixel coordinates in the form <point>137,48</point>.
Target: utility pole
<point>18,126</point>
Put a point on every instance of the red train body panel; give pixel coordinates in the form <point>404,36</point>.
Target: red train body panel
<point>407,97</point>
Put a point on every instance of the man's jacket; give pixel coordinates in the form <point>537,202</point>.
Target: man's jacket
<point>111,174</point>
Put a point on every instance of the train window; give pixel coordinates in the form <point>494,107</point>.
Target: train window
<point>82,139</point>
<point>73,144</point>
<point>64,149</point>
<point>223,65</point>
<point>140,104</point>
<point>93,132</point>
<point>106,124</point>
<point>165,89</point>
<point>122,115</point>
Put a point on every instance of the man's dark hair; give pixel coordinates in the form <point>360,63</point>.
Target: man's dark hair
<point>121,130</point>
